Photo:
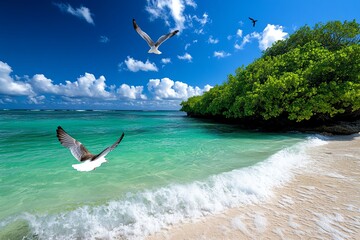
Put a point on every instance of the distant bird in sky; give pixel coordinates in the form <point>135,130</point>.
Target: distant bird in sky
<point>253,21</point>
<point>88,160</point>
<point>153,46</point>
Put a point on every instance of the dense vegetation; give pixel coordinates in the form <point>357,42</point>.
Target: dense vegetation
<point>312,75</point>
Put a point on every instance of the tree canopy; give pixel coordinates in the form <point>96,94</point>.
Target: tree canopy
<point>313,74</point>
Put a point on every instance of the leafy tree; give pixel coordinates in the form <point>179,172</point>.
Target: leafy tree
<point>333,36</point>
<point>312,75</point>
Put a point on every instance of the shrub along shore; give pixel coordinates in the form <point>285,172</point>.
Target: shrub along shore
<point>307,82</point>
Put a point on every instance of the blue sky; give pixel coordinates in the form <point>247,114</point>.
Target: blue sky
<point>86,54</point>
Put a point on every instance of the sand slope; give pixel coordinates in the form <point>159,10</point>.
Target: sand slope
<point>322,202</point>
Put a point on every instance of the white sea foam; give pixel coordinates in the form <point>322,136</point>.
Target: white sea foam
<point>140,214</point>
<point>260,222</point>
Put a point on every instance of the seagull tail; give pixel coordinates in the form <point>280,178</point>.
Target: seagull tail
<point>154,50</point>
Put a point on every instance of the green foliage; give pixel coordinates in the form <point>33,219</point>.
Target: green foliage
<point>314,74</point>
<point>333,36</point>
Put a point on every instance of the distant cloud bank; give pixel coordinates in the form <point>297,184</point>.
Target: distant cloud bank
<point>88,91</point>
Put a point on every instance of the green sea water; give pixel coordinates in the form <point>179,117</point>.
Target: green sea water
<point>160,149</point>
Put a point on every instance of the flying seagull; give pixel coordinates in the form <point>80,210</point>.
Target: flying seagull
<point>153,46</point>
<point>88,160</point>
<point>253,21</point>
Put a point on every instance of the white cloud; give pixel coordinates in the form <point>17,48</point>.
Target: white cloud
<point>104,39</point>
<point>213,40</point>
<point>271,34</point>
<point>166,60</point>
<point>87,91</point>
<point>239,33</point>
<point>166,88</point>
<point>164,8</point>
<point>189,44</point>
<point>36,99</point>
<point>44,85</point>
<point>203,20</point>
<point>229,37</point>
<point>221,54</point>
<point>9,86</point>
<point>186,56</point>
<point>34,88</point>
<point>247,39</point>
<point>86,86</point>
<point>82,12</point>
<point>136,65</point>
<point>131,92</point>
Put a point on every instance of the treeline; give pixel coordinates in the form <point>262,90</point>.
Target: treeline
<point>312,75</point>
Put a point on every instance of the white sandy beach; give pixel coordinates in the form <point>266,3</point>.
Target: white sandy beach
<point>322,201</point>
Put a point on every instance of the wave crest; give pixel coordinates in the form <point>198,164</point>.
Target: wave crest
<point>140,214</point>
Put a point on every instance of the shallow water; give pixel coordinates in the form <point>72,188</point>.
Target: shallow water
<point>168,167</point>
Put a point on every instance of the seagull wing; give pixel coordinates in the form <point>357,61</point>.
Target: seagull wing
<point>143,34</point>
<point>251,19</point>
<point>165,37</point>
<point>76,148</point>
<point>108,149</point>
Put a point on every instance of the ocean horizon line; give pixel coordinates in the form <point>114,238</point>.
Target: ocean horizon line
<point>90,110</point>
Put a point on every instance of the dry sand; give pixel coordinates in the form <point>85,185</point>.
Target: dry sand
<point>321,202</point>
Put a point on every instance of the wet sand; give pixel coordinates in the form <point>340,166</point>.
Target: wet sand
<point>321,202</point>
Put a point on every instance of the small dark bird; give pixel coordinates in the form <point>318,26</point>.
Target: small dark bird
<point>153,46</point>
<point>88,160</point>
<point>253,21</point>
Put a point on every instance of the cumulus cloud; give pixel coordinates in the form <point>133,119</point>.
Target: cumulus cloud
<point>163,9</point>
<point>266,38</point>
<point>131,92</point>
<point>90,91</point>
<point>166,88</point>
<point>213,40</point>
<point>36,99</point>
<point>10,86</point>
<point>86,86</point>
<point>221,54</point>
<point>136,65</point>
<point>247,39</point>
<point>44,85</point>
<point>186,56</point>
<point>81,12</point>
<point>239,33</point>
<point>165,60</point>
<point>271,34</point>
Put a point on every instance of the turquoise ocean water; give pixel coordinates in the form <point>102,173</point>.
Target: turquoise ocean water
<point>168,168</point>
